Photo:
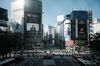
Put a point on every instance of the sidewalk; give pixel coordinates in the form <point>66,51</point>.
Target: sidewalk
<point>84,60</point>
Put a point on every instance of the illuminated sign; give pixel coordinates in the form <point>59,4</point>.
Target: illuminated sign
<point>69,43</point>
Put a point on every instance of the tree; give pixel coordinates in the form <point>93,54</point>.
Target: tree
<point>5,43</point>
<point>9,41</point>
<point>94,44</point>
<point>79,43</point>
<point>17,41</point>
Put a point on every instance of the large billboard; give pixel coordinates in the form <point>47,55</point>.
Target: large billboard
<point>67,33</point>
<point>32,27</point>
<point>67,30</point>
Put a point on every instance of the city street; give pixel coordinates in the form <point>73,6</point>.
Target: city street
<point>65,61</point>
<point>59,61</point>
<point>49,33</point>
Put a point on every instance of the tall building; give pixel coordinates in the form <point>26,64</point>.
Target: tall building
<point>59,33</point>
<point>63,32</point>
<point>17,12</point>
<point>79,30</point>
<point>3,14</point>
<point>73,26</point>
<point>28,13</point>
<point>3,19</point>
<point>49,34</point>
<point>96,26</point>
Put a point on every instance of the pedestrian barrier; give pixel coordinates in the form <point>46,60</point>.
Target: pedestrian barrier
<point>7,62</point>
<point>83,62</point>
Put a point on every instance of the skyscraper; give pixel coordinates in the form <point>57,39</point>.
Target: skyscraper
<point>28,13</point>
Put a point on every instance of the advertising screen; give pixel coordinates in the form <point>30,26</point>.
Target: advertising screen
<point>82,29</point>
<point>32,27</point>
<point>67,33</point>
<point>67,30</point>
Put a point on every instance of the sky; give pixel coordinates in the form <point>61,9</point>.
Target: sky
<point>53,8</point>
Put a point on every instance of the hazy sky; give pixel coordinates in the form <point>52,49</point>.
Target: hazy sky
<point>52,8</point>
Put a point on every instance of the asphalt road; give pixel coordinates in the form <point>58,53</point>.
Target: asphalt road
<point>59,61</point>
<point>67,61</point>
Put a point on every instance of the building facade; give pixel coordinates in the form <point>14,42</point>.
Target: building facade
<point>17,13</point>
<point>72,27</point>
<point>28,13</point>
<point>79,30</point>
<point>63,34</point>
<point>3,19</point>
<point>96,26</point>
<point>49,34</point>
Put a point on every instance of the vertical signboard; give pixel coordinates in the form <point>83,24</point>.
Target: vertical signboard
<point>90,16</point>
<point>67,30</point>
<point>67,33</point>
